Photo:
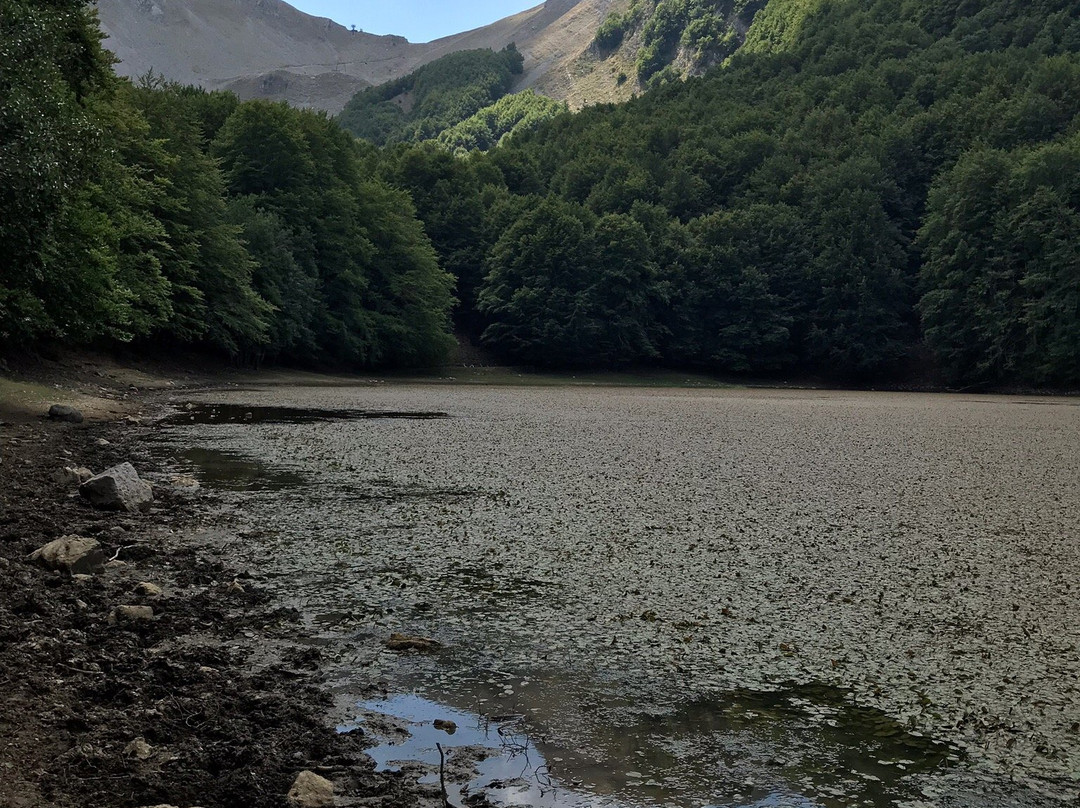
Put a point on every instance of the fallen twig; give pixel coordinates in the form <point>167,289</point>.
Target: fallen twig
<point>442,776</point>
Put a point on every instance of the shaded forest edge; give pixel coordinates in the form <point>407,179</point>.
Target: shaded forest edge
<point>866,194</point>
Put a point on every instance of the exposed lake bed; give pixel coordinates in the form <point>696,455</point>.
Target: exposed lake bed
<point>626,567</point>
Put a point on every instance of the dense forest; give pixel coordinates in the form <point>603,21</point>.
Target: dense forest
<point>167,215</point>
<point>864,190</point>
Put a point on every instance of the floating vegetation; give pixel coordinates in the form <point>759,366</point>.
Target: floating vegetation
<point>652,560</point>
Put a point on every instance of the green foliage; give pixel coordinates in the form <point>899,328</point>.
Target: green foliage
<point>1002,247</point>
<point>611,31</point>
<point>102,266</point>
<point>866,183</point>
<point>433,98</point>
<point>450,201</point>
<point>207,265</point>
<point>729,313</point>
<point>50,143</point>
<point>290,288</point>
<point>565,288</point>
<point>120,221</point>
<point>370,291</point>
<point>510,115</point>
<point>780,24</point>
<point>704,32</point>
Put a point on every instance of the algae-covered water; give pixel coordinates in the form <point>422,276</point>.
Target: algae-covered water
<point>677,597</point>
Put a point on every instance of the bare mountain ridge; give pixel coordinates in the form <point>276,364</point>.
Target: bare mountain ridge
<point>268,49</point>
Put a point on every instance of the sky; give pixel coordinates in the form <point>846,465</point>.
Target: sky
<point>416,20</point>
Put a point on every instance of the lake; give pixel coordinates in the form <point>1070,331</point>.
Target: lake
<point>651,596</point>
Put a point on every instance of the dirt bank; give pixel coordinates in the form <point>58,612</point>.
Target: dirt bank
<point>100,712</point>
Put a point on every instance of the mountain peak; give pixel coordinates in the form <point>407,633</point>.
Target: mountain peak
<point>269,49</point>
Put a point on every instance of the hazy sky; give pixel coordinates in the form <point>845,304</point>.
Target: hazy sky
<point>416,20</point>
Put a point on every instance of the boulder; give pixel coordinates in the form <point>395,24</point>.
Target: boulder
<point>130,614</point>
<point>74,554</point>
<point>118,489</point>
<point>69,475</point>
<point>62,412</point>
<point>309,790</point>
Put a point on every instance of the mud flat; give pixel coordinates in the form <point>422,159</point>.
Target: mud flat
<point>687,597</point>
<point>162,673</point>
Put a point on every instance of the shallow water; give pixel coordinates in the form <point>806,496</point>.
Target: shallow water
<point>251,414</point>
<point>804,746</point>
<point>227,470</point>
<point>626,567</point>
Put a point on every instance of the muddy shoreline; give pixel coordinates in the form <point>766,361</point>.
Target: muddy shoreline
<point>212,702</point>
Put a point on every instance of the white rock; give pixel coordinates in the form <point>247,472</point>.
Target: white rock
<point>69,475</point>
<point>75,554</point>
<point>311,791</point>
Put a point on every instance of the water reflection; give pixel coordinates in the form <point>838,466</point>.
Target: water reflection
<point>234,472</point>
<point>802,747</point>
<point>248,414</point>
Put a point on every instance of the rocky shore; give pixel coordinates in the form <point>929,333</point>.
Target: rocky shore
<point>128,673</point>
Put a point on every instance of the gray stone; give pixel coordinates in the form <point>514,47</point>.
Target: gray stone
<point>309,790</point>
<point>62,412</point>
<point>130,614</point>
<point>74,554</point>
<point>118,489</point>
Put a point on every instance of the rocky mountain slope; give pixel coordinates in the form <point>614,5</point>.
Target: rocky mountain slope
<point>268,49</point>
